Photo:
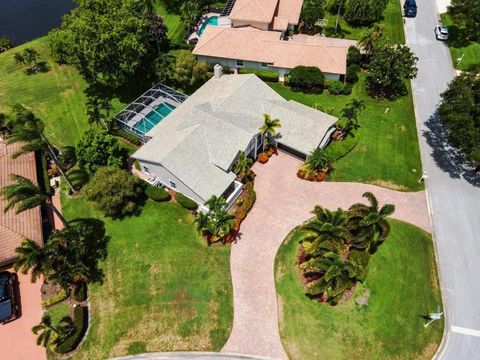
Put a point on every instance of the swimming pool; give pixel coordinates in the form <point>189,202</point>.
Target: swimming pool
<point>154,117</point>
<point>210,21</point>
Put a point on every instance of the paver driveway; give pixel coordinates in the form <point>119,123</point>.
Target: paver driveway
<point>284,201</point>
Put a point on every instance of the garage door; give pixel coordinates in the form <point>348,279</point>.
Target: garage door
<point>291,151</point>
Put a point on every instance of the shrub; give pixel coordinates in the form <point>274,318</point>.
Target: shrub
<point>55,299</point>
<point>186,202</point>
<point>335,87</point>
<point>347,89</point>
<point>80,292</point>
<point>360,257</point>
<point>127,136</point>
<point>117,193</point>
<point>247,204</point>
<point>351,77</point>
<point>262,158</point>
<point>157,194</point>
<point>354,56</point>
<point>307,78</point>
<point>80,324</point>
<point>265,75</point>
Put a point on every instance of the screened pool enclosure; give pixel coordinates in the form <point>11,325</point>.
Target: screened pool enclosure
<point>148,110</point>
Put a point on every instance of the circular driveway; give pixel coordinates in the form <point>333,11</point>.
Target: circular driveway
<point>283,202</point>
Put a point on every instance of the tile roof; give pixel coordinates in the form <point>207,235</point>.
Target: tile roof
<point>250,44</point>
<point>290,9</point>
<point>28,224</point>
<point>254,10</point>
<point>199,140</point>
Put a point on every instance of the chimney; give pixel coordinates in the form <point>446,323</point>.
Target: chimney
<point>218,71</point>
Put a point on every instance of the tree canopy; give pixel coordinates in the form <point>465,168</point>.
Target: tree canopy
<point>459,111</point>
<point>98,148</point>
<point>364,12</point>
<point>467,11</point>
<point>106,40</point>
<point>390,65</point>
<point>312,11</point>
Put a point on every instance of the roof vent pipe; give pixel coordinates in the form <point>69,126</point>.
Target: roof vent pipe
<point>218,71</point>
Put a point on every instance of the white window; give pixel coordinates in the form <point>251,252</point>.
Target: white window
<point>172,184</point>
<point>239,62</point>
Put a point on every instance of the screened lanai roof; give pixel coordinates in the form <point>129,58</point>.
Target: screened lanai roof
<point>145,112</point>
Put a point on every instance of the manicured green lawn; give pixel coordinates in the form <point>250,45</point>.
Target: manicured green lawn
<point>392,22</point>
<point>387,153</point>
<point>459,46</point>
<point>403,286</point>
<point>164,288</point>
<point>176,30</point>
<point>57,312</point>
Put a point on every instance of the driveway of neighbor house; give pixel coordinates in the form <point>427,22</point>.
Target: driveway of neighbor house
<point>283,202</point>
<point>17,342</point>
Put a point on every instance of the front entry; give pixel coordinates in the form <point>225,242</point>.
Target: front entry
<point>291,151</point>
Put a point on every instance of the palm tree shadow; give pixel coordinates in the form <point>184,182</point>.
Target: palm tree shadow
<point>447,158</point>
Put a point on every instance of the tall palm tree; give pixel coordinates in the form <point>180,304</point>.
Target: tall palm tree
<point>370,39</point>
<point>29,130</point>
<point>217,222</point>
<point>243,166</point>
<point>369,223</point>
<point>330,232</point>
<point>98,111</point>
<point>269,127</point>
<point>34,258</point>
<point>49,334</point>
<point>23,195</point>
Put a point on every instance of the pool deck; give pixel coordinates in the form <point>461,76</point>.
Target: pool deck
<point>223,21</point>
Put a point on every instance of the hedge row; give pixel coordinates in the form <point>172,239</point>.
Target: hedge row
<point>186,202</point>
<point>127,136</point>
<point>80,323</point>
<point>242,212</point>
<point>265,75</point>
<point>60,296</point>
<point>157,194</point>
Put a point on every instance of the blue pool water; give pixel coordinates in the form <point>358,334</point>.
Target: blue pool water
<point>210,21</point>
<point>154,117</point>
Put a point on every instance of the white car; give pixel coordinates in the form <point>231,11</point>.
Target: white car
<point>441,32</point>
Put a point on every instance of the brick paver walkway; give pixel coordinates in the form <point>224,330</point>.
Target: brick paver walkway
<point>283,202</point>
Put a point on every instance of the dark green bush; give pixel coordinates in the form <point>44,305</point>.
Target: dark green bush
<point>354,56</point>
<point>80,323</point>
<point>186,202</point>
<point>347,89</point>
<point>307,78</point>
<point>335,87</point>
<point>157,194</point>
<point>351,77</point>
<point>80,292</point>
<point>265,75</point>
<point>127,136</point>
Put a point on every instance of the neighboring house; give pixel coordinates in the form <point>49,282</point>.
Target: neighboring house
<point>194,149</point>
<point>16,227</point>
<point>278,15</point>
<point>256,49</point>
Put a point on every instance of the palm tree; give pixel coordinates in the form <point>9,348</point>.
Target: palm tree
<point>243,166</point>
<point>318,160</point>
<point>216,203</point>
<point>30,130</point>
<point>330,232</point>
<point>23,195</point>
<point>34,258</point>
<point>370,39</point>
<point>98,111</point>
<point>217,222</point>
<point>339,275</point>
<point>351,112</point>
<point>50,334</point>
<point>368,223</point>
<point>269,127</point>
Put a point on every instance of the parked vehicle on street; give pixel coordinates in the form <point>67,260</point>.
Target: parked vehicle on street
<point>8,303</point>
<point>441,32</point>
<point>410,8</point>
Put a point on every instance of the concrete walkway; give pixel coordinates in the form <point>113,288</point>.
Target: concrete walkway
<point>283,202</point>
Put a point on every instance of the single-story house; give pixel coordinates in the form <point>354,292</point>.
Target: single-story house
<point>16,227</point>
<point>194,149</point>
<point>248,47</point>
<point>278,15</point>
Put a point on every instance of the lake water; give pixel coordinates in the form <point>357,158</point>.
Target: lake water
<point>24,20</point>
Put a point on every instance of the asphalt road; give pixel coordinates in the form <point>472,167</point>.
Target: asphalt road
<point>453,193</point>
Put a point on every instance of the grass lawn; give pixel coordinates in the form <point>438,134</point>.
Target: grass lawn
<point>57,312</point>
<point>387,153</point>
<point>164,288</point>
<point>392,22</point>
<point>459,45</point>
<point>176,30</point>
<point>403,286</point>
